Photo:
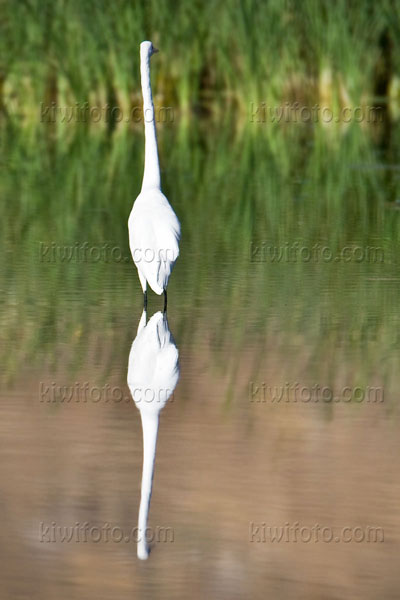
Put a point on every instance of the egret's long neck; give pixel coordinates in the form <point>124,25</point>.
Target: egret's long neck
<point>151,176</point>
<point>150,428</point>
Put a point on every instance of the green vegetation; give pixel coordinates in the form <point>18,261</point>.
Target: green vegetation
<point>236,183</point>
<point>214,54</point>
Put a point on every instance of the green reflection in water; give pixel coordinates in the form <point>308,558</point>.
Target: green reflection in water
<point>244,200</point>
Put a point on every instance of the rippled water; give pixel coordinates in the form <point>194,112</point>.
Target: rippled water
<point>284,308</point>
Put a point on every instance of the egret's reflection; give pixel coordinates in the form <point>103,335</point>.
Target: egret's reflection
<point>153,372</point>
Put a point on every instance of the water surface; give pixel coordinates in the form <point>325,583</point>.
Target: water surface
<point>287,287</point>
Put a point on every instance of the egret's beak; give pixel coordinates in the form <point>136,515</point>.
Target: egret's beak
<point>155,50</point>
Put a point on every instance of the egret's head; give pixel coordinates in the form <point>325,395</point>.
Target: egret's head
<point>147,49</point>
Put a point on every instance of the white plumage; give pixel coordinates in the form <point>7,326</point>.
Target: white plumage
<point>153,364</point>
<point>153,372</point>
<point>154,233</point>
<point>154,229</point>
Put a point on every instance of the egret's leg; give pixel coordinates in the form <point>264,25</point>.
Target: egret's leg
<point>142,322</point>
<point>143,283</point>
<point>165,300</point>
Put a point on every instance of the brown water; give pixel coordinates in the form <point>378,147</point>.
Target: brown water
<point>232,461</point>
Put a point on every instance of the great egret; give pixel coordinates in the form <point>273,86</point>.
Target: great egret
<point>153,372</point>
<point>154,229</point>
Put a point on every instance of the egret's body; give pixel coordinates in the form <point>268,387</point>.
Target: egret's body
<point>154,229</point>
<point>153,373</point>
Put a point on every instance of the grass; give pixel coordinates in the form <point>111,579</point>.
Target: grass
<point>213,55</point>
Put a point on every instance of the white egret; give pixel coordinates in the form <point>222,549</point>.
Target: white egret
<point>153,372</point>
<point>154,229</point>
